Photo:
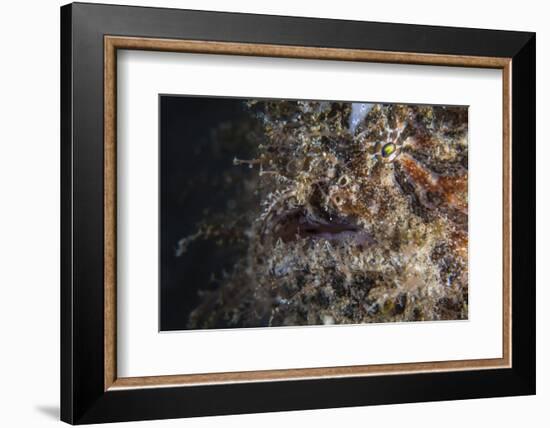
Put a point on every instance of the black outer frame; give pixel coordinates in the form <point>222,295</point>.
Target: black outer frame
<point>83,399</point>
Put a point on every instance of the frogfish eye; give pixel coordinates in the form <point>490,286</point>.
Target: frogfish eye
<point>388,150</point>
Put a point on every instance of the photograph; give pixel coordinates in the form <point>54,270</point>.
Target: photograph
<point>284,212</point>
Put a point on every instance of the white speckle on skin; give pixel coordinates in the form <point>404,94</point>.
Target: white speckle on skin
<point>328,320</point>
<point>358,113</point>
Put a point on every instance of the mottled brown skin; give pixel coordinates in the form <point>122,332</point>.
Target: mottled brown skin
<point>346,234</point>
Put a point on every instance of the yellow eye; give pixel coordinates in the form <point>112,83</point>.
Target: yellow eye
<point>388,150</point>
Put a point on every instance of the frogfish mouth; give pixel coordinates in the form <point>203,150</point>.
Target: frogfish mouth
<point>302,223</point>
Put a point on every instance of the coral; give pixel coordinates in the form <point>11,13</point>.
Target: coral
<point>362,217</point>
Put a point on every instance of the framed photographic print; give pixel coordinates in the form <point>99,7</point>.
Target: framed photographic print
<point>265,213</point>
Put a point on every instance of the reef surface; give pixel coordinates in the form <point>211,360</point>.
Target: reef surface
<point>356,213</point>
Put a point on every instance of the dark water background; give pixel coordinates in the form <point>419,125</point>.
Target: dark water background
<point>191,181</point>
